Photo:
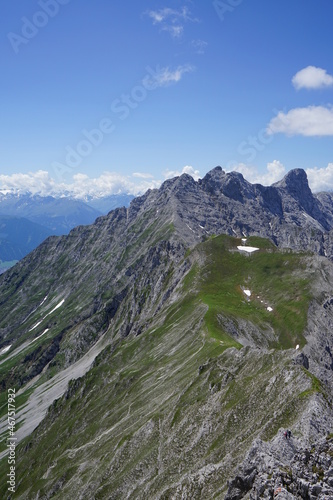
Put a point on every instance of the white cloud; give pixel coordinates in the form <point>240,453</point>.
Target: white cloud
<point>163,77</point>
<point>312,78</point>
<point>81,187</point>
<point>171,20</point>
<point>33,182</point>
<point>169,174</point>
<point>173,15</point>
<point>275,170</point>
<point>310,121</point>
<point>320,179</point>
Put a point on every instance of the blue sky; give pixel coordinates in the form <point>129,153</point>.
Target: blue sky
<point>100,97</point>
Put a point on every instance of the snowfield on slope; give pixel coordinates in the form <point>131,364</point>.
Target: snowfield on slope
<point>247,249</point>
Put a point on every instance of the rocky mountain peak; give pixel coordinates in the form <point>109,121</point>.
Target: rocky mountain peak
<point>295,183</point>
<point>231,184</point>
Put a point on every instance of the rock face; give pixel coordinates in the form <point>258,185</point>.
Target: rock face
<point>286,469</point>
<point>186,354</point>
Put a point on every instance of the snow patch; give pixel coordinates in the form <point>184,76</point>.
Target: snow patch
<point>43,301</point>
<point>248,249</point>
<point>35,326</point>
<point>247,292</point>
<point>5,349</point>
<point>269,308</point>
<point>48,314</point>
<point>39,336</point>
<point>56,307</point>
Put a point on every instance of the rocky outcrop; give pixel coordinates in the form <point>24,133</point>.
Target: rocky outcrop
<point>285,469</point>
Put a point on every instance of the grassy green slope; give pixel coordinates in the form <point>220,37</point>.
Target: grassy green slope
<point>275,280</point>
<point>182,399</point>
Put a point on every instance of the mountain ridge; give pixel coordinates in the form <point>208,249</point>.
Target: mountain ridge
<point>189,330</point>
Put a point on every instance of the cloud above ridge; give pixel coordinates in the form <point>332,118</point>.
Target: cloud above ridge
<point>275,170</point>
<point>81,187</point>
<point>168,174</point>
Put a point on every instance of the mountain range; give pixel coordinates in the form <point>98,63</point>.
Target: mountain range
<point>28,219</point>
<point>163,351</point>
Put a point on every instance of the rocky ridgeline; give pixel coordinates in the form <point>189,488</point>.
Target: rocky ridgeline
<point>122,280</point>
<point>287,212</point>
<point>285,470</point>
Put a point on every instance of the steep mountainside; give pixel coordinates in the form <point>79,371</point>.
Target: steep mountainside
<point>196,326</point>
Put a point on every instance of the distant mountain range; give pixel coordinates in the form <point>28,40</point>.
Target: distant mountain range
<point>18,236</point>
<point>27,219</point>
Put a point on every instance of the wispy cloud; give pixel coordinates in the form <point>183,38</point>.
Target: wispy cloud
<point>142,175</point>
<point>199,46</point>
<point>162,77</point>
<point>175,31</point>
<point>172,15</point>
<point>171,20</point>
<point>312,77</point>
<point>310,121</point>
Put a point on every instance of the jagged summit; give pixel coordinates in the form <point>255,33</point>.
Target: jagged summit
<point>294,179</point>
<point>295,183</point>
<point>226,202</point>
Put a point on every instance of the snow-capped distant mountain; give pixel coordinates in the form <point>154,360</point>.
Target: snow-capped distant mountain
<point>59,215</point>
<point>107,203</point>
